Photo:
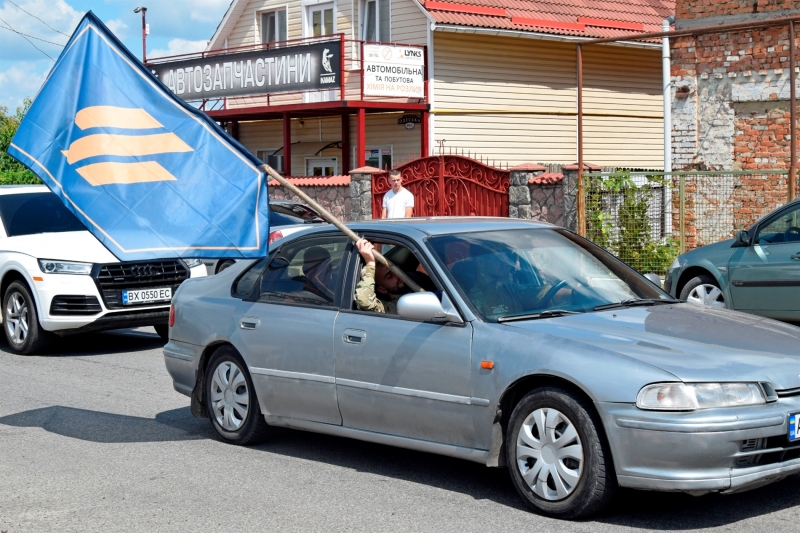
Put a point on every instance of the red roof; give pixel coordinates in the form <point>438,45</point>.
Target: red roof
<point>585,18</point>
<point>548,178</point>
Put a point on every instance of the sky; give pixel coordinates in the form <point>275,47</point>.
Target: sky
<point>176,27</point>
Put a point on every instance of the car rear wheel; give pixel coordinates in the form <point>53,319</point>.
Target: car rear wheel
<point>559,463</point>
<point>231,400</point>
<point>21,321</point>
<point>704,290</point>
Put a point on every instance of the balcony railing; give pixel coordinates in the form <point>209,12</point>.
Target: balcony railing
<point>350,85</point>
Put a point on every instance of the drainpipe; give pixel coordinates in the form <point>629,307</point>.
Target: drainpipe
<point>666,74</point>
<point>667,83</point>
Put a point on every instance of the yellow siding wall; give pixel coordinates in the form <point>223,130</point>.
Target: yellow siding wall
<point>525,79</point>
<point>409,24</point>
<point>382,131</point>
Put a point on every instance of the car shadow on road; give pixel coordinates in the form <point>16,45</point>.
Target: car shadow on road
<point>637,509</point>
<point>97,343</point>
<point>96,426</point>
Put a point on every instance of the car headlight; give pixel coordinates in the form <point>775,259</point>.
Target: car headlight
<point>191,263</point>
<point>675,264</point>
<point>691,396</point>
<point>52,266</point>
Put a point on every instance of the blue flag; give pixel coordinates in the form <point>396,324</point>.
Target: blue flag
<point>149,175</point>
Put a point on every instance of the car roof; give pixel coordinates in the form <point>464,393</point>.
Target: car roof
<point>20,189</point>
<point>431,226</point>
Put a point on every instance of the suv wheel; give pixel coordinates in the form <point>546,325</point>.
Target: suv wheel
<point>559,463</point>
<point>163,331</point>
<point>231,399</point>
<point>21,320</point>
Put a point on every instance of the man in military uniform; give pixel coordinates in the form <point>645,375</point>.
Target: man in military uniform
<point>379,289</point>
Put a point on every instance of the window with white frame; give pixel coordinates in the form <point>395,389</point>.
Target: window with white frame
<point>376,25</point>
<point>275,161</point>
<point>273,26</point>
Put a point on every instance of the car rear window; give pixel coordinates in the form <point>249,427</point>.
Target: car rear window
<point>300,211</point>
<point>37,212</point>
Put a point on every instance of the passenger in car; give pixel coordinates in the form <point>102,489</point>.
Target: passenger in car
<point>379,289</point>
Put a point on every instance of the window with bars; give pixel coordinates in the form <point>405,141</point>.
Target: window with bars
<point>377,21</point>
<point>273,26</point>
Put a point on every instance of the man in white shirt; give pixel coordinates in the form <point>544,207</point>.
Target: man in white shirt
<point>399,202</point>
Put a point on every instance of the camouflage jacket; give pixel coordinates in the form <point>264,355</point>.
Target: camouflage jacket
<point>367,300</point>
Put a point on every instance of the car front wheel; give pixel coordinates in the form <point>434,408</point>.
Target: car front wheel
<point>21,321</point>
<point>559,462</point>
<point>231,400</point>
<point>704,290</point>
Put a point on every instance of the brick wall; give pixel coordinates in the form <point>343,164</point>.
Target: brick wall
<point>716,8</point>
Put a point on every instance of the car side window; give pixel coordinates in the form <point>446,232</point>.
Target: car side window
<point>247,281</point>
<point>305,272</point>
<point>785,227</point>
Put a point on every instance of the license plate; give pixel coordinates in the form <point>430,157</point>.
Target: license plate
<point>794,430</point>
<point>146,296</point>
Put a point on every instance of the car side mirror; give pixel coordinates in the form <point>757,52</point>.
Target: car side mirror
<point>426,307</point>
<point>742,240</point>
<point>654,279</point>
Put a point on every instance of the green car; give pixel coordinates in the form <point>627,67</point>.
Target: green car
<point>757,272</point>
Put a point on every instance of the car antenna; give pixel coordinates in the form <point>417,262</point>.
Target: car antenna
<point>411,284</point>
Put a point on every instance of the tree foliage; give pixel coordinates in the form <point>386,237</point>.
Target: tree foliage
<point>12,171</point>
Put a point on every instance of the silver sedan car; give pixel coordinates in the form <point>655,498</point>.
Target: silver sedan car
<point>532,349</point>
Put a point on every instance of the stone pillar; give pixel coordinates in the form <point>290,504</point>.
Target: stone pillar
<point>519,194</point>
<point>361,192</point>
<point>570,184</point>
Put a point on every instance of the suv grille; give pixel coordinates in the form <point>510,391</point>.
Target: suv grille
<point>113,279</point>
<point>74,305</point>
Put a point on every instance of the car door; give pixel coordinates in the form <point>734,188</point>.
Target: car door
<point>765,277</point>
<point>287,332</point>
<point>402,377</point>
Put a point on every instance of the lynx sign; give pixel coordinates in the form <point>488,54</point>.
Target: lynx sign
<point>394,71</point>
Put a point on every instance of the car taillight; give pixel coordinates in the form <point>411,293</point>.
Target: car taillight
<point>171,315</point>
<point>274,236</point>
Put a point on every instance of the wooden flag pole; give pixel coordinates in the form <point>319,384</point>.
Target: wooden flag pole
<point>411,284</point>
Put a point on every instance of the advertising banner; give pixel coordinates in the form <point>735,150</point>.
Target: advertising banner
<point>149,175</point>
<point>304,67</point>
<point>394,71</point>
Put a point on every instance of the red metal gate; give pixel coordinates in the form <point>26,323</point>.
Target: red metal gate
<point>449,185</point>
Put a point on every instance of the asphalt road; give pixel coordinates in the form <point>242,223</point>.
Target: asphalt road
<point>94,438</point>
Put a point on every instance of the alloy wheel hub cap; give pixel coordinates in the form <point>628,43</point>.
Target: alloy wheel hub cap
<point>549,454</point>
<point>230,398</point>
<point>707,295</point>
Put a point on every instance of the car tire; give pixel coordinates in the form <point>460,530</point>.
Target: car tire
<point>704,290</point>
<point>223,265</point>
<point>24,334</point>
<point>565,474</point>
<point>163,331</point>
<point>231,400</point>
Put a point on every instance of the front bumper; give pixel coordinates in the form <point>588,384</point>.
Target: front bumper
<point>714,450</point>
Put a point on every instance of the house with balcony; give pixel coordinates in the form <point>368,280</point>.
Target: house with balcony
<point>319,87</point>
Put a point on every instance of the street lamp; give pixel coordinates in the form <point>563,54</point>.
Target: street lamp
<point>144,32</point>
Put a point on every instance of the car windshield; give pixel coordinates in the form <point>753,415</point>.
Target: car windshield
<point>38,212</point>
<point>536,273</point>
<point>297,211</point>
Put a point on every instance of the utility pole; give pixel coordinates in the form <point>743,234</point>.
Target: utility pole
<point>144,32</point>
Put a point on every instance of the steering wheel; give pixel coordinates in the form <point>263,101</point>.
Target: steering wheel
<point>549,295</point>
<point>792,234</point>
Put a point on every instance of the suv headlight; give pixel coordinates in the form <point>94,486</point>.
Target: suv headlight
<point>691,396</point>
<point>51,266</point>
<point>191,263</point>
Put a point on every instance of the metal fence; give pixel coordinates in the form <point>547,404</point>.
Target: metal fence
<point>649,218</point>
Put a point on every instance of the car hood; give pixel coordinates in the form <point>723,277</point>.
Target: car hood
<point>723,247</point>
<point>695,344</point>
<point>67,246</point>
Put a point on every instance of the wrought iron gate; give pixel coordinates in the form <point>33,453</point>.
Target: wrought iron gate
<point>448,185</point>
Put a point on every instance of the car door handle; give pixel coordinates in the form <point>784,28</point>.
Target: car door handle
<point>354,336</point>
<point>249,322</point>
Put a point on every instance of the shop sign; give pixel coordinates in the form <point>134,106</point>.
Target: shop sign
<point>307,67</point>
<point>394,71</point>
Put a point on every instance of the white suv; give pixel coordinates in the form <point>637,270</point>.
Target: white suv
<point>57,278</point>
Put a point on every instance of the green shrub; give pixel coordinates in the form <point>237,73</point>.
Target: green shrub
<point>12,172</point>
